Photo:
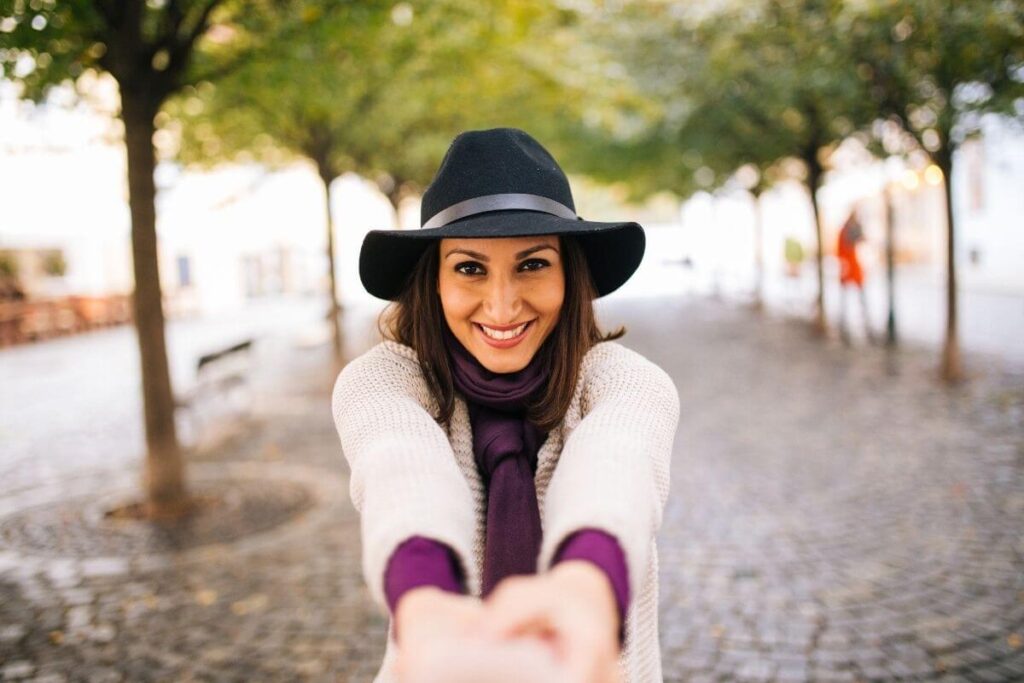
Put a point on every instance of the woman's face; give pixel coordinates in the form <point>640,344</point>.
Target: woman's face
<point>491,287</point>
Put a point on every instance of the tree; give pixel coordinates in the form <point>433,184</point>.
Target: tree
<point>149,49</point>
<point>298,100</point>
<point>934,68</point>
<point>732,137</point>
<point>789,84</point>
<point>750,83</point>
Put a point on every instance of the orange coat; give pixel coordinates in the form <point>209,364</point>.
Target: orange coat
<point>849,267</point>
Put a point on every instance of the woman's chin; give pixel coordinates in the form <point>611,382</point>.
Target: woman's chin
<point>502,362</point>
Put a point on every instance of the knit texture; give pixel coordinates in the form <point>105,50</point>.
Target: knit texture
<point>606,466</point>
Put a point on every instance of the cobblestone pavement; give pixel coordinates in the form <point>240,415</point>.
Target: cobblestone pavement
<point>836,515</point>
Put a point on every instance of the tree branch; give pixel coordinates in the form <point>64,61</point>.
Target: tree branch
<point>181,48</point>
<point>201,24</point>
<point>218,72</point>
<point>107,11</point>
<point>170,26</point>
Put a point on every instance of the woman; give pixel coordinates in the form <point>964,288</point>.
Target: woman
<point>851,274</point>
<point>509,462</point>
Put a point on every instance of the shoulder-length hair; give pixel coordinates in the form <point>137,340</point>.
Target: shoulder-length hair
<point>416,319</point>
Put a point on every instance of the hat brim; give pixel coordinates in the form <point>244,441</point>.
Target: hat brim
<point>613,250</point>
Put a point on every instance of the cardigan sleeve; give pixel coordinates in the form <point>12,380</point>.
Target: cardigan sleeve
<point>613,471</point>
<point>420,561</point>
<point>605,552</point>
<point>404,479</point>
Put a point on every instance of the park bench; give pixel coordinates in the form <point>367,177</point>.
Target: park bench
<point>221,389</point>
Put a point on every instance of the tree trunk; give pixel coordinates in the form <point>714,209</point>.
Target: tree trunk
<point>395,197</point>
<point>758,252</point>
<point>814,174</point>
<point>890,265</point>
<point>164,481</point>
<point>334,310</point>
<point>951,368</point>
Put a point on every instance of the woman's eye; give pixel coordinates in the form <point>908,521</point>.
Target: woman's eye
<point>470,266</point>
<point>537,262</point>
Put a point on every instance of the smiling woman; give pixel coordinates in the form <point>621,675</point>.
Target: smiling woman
<point>509,460</point>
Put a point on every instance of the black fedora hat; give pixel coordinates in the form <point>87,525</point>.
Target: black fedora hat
<point>499,183</point>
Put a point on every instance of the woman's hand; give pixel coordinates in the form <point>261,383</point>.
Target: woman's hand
<point>427,618</point>
<point>476,659</point>
<point>571,607</point>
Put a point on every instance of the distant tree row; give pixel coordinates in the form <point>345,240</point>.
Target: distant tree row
<point>755,85</point>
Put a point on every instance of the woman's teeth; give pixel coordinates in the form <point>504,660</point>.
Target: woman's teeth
<point>496,334</point>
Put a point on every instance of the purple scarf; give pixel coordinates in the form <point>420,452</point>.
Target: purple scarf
<point>505,446</point>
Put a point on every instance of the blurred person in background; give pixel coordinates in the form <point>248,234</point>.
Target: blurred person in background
<point>509,460</point>
<point>793,252</point>
<point>851,275</point>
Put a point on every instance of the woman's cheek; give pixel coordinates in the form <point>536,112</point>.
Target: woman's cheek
<point>465,301</point>
<point>554,294</point>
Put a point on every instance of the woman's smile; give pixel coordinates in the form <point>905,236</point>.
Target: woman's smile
<point>504,339</point>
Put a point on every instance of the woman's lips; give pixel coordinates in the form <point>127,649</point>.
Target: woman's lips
<point>503,343</point>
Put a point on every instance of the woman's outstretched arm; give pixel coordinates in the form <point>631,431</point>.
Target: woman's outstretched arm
<point>613,472</point>
<point>405,481</point>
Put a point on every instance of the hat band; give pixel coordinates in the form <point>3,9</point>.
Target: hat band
<point>498,202</point>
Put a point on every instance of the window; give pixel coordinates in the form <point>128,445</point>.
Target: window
<point>184,272</point>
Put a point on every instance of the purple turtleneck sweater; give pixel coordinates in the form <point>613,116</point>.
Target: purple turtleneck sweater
<point>420,561</point>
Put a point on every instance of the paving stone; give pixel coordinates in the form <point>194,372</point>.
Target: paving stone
<point>112,566</point>
<point>791,674</point>
<point>987,675</point>
<point>12,632</point>
<point>756,671</point>
<point>831,676</point>
<point>17,669</point>
<point>49,678</point>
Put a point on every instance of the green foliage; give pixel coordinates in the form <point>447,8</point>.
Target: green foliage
<point>8,265</point>
<point>382,89</point>
<point>755,83</point>
<point>44,44</point>
<point>54,264</point>
<point>794,251</point>
<point>746,84</point>
<point>935,67</point>
<point>151,47</point>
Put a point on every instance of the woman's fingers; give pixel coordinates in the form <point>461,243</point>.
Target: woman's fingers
<point>517,605</point>
<point>433,618</point>
<point>540,607</point>
<point>531,607</point>
<point>520,611</point>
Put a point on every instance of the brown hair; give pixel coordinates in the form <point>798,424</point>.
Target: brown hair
<point>416,318</point>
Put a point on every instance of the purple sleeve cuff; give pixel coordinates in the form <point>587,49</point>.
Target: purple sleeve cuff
<point>420,561</point>
<point>603,550</point>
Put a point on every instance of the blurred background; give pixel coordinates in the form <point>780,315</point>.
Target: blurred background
<point>831,192</point>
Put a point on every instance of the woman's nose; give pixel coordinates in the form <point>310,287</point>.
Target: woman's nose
<point>502,301</point>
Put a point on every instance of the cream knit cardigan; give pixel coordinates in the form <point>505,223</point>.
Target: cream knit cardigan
<point>605,466</point>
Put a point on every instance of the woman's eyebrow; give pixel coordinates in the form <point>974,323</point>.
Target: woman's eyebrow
<point>527,252</point>
<point>482,257</point>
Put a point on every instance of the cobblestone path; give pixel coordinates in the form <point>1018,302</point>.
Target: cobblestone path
<point>836,515</point>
